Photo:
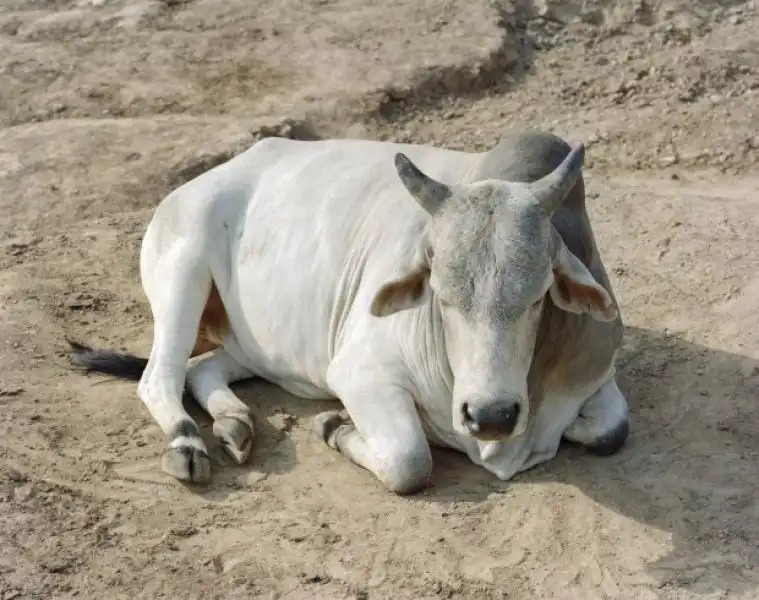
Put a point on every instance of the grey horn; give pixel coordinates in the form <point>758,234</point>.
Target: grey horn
<point>551,190</point>
<point>429,193</point>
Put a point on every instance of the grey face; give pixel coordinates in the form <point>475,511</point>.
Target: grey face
<point>490,270</point>
<point>491,255</point>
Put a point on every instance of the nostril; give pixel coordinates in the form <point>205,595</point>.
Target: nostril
<point>511,416</point>
<point>465,412</point>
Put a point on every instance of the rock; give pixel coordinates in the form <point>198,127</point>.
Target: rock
<point>294,129</point>
<point>11,391</point>
<point>77,302</point>
<point>15,475</point>
<point>24,493</point>
<point>184,532</point>
<point>18,247</point>
<point>284,421</point>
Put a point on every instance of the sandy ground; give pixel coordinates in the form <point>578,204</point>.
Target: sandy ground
<point>106,105</point>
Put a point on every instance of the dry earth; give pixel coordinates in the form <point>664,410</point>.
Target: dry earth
<point>106,105</point>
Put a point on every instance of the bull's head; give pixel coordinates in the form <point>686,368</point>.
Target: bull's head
<point>491,256</point>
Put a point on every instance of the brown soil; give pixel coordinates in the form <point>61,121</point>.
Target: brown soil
<point>106,105</point>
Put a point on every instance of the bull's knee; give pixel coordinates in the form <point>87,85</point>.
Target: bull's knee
<point>406,470</point>
<point>603,425</point>
<point>403,466</point>
<point>610,442</point>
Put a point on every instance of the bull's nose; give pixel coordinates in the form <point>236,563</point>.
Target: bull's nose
<point>491,420</point>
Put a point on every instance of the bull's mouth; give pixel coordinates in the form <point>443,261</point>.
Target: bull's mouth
<point>486,436</point>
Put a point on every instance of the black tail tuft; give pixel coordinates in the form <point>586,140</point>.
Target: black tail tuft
<point>123,366</point>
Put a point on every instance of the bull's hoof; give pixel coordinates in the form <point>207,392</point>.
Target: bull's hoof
<point>187,464</point>
<point>325,424</point>
<point>236,437</point>
<point>611,442</point>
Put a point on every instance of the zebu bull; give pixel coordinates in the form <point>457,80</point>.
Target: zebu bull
<point>479,317</point>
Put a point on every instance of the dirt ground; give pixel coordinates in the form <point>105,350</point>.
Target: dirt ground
<point>106,105</point>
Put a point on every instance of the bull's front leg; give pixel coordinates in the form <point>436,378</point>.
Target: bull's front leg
<point>603,424</point>
<point>383,433</point>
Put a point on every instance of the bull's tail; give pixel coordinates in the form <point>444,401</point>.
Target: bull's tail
<point>117,364</point>
<point>213,326</point>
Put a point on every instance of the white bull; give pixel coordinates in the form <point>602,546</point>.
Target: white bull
<point>479,317</point>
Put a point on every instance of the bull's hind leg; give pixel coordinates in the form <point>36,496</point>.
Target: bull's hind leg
<point>603,423</point>
<point>385,436</point>
<point>177,285</point>
<point>208,380</point>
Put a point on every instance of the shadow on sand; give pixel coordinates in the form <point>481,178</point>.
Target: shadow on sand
<point>689,468</point>
<point>274,452</point>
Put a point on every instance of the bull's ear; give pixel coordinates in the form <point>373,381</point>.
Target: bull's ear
<point>575,290</point>
<point>407,292</point>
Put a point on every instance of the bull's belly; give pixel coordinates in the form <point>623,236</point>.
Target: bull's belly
<point>278,329</point>
<point>292,375</point>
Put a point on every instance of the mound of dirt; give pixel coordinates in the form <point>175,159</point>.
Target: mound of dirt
<point>130,59</point>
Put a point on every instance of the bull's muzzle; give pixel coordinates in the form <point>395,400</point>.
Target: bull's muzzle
<point>491,419</point>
